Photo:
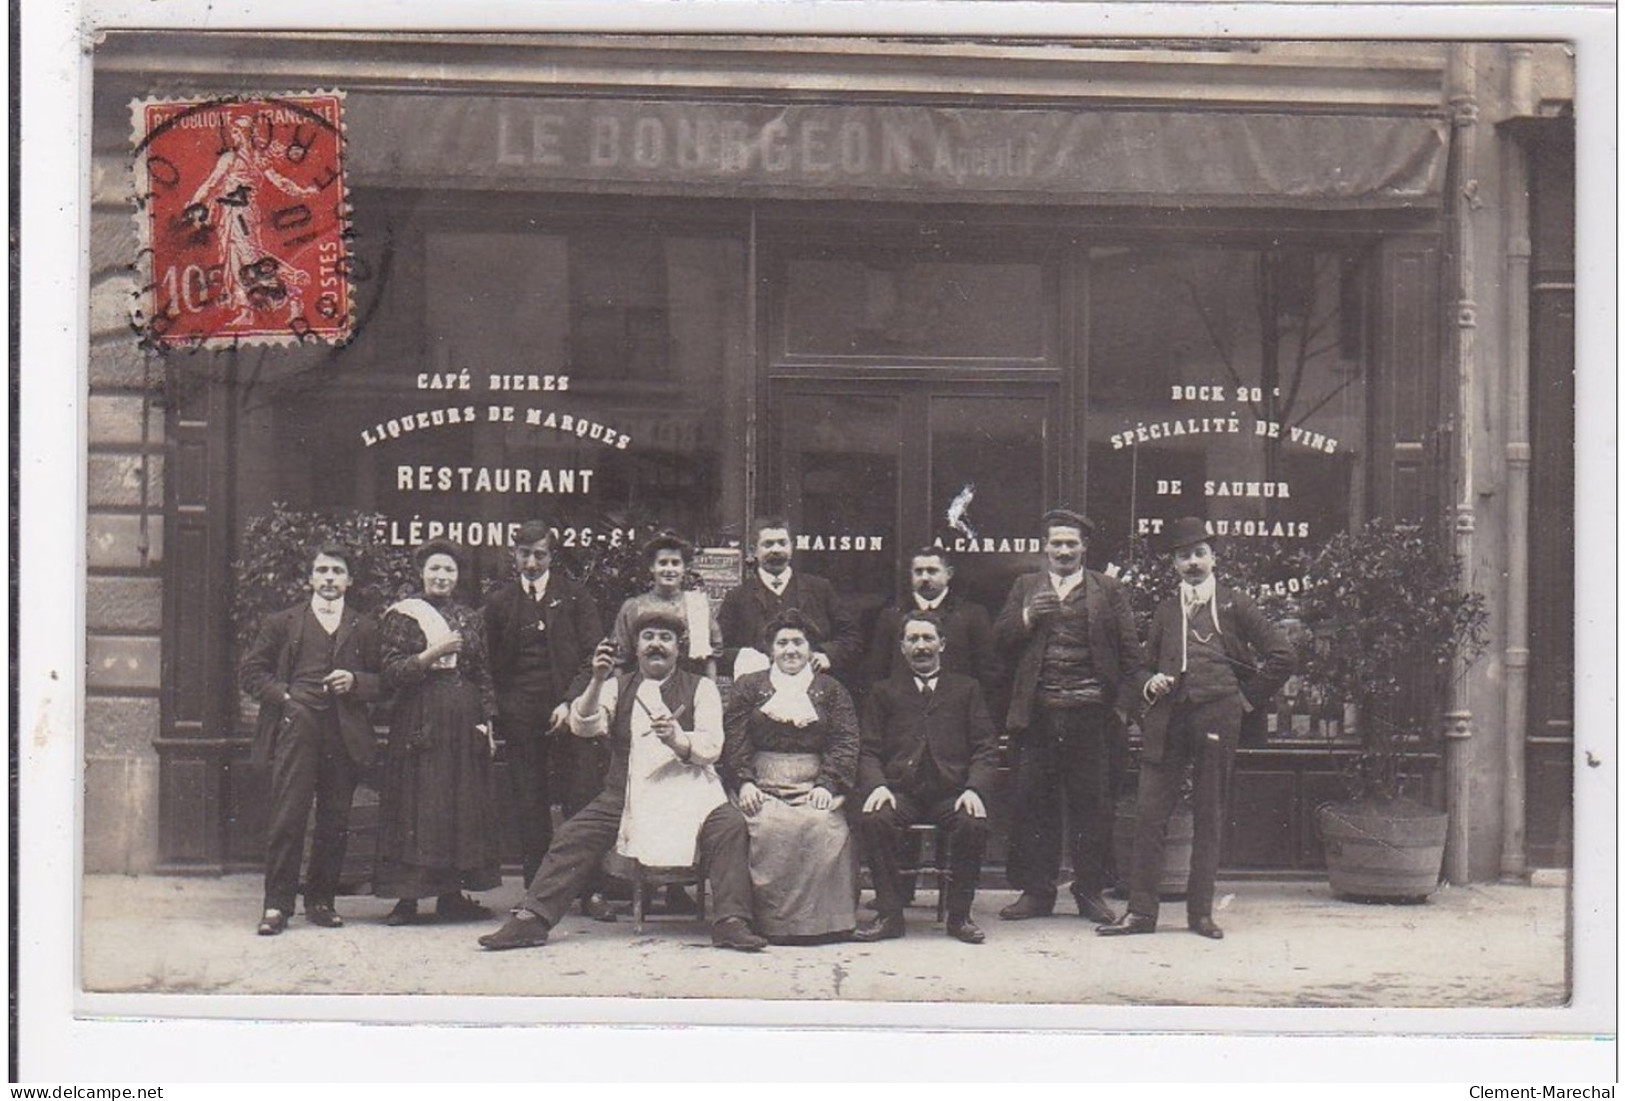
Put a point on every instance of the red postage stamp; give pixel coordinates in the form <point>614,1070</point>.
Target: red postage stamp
<point>244,221</point>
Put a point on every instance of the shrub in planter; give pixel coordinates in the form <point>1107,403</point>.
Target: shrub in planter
<point>1388,621</point>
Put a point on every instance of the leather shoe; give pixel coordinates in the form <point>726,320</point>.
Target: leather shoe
<point>323,914</point>
<point>597,907</point>
<point>1027,906</point>
<point>272,922</point>
<point>1095,909</point>
<point>523,930</point>
<point>1204,927</point>
<point>966,930</point>
<point>736,933</point>
<point>879,927</point>
<point>404,912</point>
<point>1128,925</point>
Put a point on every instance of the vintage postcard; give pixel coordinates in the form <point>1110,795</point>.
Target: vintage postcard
<point>591,522</point>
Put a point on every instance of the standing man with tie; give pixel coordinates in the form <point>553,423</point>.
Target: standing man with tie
<point>929,754</point>
<point>772,588</point>
<point>1077,654</point>
<point>1217,658</point>
<point>313,668</point>
<point>541,631</point>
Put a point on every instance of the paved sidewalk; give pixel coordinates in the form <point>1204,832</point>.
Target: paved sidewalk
<point>1290,944</point>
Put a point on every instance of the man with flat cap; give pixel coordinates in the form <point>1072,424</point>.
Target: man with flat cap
<point>1217,657</point>
<point>1077,655</point>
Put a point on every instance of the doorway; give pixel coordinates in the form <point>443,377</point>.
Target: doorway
<point>867,472</point>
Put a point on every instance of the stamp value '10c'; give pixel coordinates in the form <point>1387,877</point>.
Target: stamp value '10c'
<point>244,221</point>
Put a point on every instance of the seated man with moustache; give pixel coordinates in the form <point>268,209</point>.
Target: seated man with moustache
<point>662,802</point>
<point>929,754</point>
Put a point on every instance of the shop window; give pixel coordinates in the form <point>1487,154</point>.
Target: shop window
<point>1230,384</point>
<point>619,316</point>
<point>506,372</point>
<point>905,308</point>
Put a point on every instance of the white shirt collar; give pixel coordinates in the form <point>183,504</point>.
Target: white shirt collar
<point>930,605</point>
<point>537,588</point>
<point>1195,596</point>
<point>774,584</point>
<point>1064,585</point>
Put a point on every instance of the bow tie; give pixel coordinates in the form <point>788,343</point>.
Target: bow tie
<point>325,608</point>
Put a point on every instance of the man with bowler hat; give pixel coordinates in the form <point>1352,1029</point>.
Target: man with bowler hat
<point>1217,657</point>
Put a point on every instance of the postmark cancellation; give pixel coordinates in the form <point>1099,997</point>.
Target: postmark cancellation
<point>243,219</point>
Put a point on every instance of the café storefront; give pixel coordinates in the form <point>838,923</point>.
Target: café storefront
<point>902,293</point>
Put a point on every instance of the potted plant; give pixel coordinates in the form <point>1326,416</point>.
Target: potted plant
<point>1387,621</point>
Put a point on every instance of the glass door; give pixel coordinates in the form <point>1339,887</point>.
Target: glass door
<point>869,471</point>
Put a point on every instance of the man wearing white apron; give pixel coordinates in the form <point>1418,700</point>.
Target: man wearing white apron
<point>662,803</point>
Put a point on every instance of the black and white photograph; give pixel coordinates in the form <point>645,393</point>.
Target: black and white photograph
<point>1071,527</point>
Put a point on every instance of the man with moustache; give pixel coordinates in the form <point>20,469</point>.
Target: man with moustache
<point>929,754</point>
<point>1217,657</point>
<point>313,668</point>
<point>772,588</point>
<point>540,631</point>
<point>662,802</point>
<point>1077,655</point>
<point>967,629</point>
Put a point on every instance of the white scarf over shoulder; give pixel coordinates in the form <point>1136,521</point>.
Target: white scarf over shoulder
<point>697,610</point>
<point>789,702</point>
<point>433,625</point>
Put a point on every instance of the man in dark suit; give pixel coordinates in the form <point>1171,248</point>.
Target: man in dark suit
<point>1077,654</point>
<point>313,668</point>
<point>930,754</point>
<point>541,631</point>
<point>967,629</point>
<point>1217,657</point>
<point>773,587</point>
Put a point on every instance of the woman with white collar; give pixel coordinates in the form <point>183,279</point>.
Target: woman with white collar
<point>790,758</point>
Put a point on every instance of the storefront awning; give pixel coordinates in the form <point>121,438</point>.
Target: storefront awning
<point>1144,156</point>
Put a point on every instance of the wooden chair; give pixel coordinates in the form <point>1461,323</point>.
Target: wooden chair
<point>937,867</point>
<point>644,877</point>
